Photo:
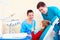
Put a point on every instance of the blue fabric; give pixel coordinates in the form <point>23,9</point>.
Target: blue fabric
<point>44,33</point>
<point>26,27</point>
<point>59,37</point>
<point>52,12</point>
<point>56,29</point>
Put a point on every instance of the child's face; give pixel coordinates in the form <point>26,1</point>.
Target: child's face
<point>31,15</point>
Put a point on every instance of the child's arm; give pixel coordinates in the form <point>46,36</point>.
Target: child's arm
<point>37,35</point>
<point>33,35</point>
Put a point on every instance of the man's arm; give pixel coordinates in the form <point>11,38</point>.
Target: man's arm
<point>56,11</point>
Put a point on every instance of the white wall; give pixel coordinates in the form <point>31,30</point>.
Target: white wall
<point>20,7</point>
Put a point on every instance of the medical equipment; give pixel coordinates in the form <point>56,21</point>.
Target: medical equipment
<point>14,36</point>
<point>11,24</point>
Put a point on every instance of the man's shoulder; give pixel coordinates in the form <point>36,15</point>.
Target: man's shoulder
<point>52,7</point>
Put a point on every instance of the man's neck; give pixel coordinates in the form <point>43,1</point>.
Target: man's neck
<point>46,14</point>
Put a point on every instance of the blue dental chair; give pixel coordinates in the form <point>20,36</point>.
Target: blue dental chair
<point>48,30</point>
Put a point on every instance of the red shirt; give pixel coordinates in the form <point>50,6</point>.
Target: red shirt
<point>37,35</point>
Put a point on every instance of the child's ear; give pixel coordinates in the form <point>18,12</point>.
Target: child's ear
<point>48,22</point>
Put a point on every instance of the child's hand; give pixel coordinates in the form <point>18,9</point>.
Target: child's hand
<point>32,29</point>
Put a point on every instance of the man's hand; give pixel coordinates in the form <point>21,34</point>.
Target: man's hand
<point>29,35</point>
<point>59,32</point>
<point>53,33</point>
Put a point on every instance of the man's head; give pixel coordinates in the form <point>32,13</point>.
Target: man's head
<point>41,6</point>
<point>30,14</point>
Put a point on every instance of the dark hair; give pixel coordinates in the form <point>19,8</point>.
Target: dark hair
<point>40,4</point>
<point>29,11</point>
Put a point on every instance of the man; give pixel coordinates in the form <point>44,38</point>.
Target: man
<point>49,13</point>
<point>28,24</point>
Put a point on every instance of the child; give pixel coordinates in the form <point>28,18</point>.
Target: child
<point>36,36</point>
